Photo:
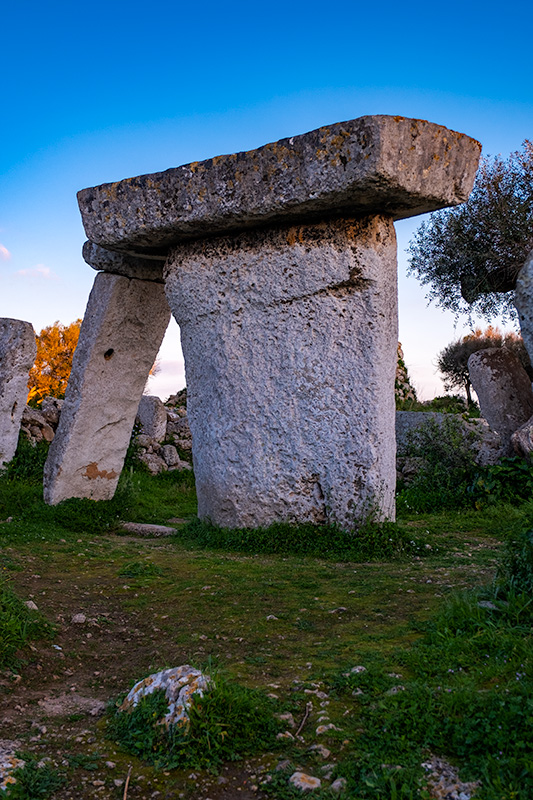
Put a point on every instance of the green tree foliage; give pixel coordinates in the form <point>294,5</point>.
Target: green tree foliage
<point>452,362</point>
<point>50,373</point>
<point>470,256</point>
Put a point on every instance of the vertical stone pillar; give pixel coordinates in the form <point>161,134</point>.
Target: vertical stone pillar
<point>523,300</point>
<point>289,336</point>
<point>17,355</point>
<point>122,331</point>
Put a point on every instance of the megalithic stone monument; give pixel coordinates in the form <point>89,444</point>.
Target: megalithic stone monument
<point>280,268</point>
<point>17,355</point>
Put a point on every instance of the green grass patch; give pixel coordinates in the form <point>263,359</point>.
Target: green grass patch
<point>18,625</point>
<point>33,781</point>
<point>229,722</point>
<point>372,541</point>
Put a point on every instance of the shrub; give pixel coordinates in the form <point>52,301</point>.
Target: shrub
<point>446,450</point>
<point>33,781</point>
<point>227,723</point>
<point>509,480</point>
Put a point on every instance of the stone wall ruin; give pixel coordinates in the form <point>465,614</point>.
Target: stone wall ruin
<point>279,265</point>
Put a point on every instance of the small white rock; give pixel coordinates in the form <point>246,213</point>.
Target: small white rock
<point>338,786</point>
<point>78,619</point>
<point>30,605</point>
<point>305,782</point>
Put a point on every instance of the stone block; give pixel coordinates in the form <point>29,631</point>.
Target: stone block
<point>152,416</point>
<point>504,391</point>
<point>289,336</point>
<point>375,164</point>
<point>17,355</point>
<point>121,333</point>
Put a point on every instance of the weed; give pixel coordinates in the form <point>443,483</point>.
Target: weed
<point>28,461</point>
<point>509,480</point>
<point>227,723</point>
<point>140,569</point>
<point>17,625</point>
<point>34,780</point>
<point>447,466</point>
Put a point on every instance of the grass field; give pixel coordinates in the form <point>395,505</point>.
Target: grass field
<point>445,644</point>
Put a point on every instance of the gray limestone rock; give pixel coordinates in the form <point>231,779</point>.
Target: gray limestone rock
<point>17,354</point>
<point>121,333</point>
<point>522,439</point>
<point>503,389</point>
<point>289,337</point>
<point>523,300</point>
<point>374,164</point>
<point>146,529</point>
<point>152,416</point>
<point>147,269</point>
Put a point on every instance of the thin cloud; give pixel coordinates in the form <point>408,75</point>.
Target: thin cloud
<point>5,255</point>
<point>39,271</point>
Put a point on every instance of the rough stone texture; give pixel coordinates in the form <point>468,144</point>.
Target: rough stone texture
<point>522,439</point>
<point>145,529</point>
<point>290,337</point>
<point>152,416</point>
<point>374,164</point>
<point>305,782</point>
<point>145,269</point>
<point>179,685</point>
<point>523,300</point>
<point>121,333</point>
<point>17,354</point>
<point>503,389</point>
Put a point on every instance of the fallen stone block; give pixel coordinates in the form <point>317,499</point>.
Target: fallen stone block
<point>145,529</point>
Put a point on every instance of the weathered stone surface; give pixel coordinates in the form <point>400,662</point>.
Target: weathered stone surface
<point>152,416</point>
<point>522,439</point>
<point>180,684</point>
<point>145,269</point>
<point>290,337</point>
<point>523,300</point>
<point>17,354</point>
<point>374,164</point>
<point>503,389</point>
<point>122,330</point>
<point>305,782</point>
<point>145,529</point>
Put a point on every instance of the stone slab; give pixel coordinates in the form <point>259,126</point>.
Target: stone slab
<point>18,349</point>
<point>120,336</point>
<point>289,337</point>
<point>374,164</point>
<point>145,269</point>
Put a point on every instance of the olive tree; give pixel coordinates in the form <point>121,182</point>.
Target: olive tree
<point>470,256</point>
<point>452,361</point>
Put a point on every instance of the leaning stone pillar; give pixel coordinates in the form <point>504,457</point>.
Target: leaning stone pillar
<point>280,270</point>
<point>289,336</point>
<point>120,336</point>
<point>17,355</point>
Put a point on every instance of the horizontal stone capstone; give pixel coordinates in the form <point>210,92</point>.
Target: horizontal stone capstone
<point>374,164</point>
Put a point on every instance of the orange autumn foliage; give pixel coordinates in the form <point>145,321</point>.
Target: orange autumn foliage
<point>50,373</point>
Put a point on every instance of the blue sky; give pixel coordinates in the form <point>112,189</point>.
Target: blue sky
<point>101,91</point>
